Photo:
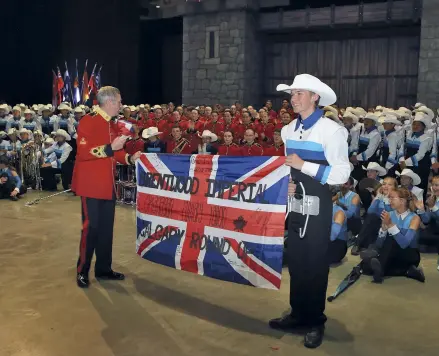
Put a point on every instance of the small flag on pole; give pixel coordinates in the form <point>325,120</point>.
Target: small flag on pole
<point>60,86</point>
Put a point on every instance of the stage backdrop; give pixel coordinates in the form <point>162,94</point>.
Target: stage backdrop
<point>217,216</point>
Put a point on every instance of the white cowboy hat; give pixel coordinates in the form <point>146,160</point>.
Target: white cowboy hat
<point>409,173</point>
<point>78,109</point>
<point>422,117</point>
<point>350,114</point>
<point>141,106</point>
<point>426,111</point>
<point>5,107</point>
<point>151,131</point>
<point>22,106</point>
<point>371,116</point>
<point>16,108</point>
<point>38,132</point>
<point>64,106</point>
<point>403,114</point>
<point>28,111</point>
<point>49,140</point>
<point>417,105</point>
<point>12,131</point>
<point>24,131</point>
<point>379,108</point>
<point>155,107</point>
<point>313,84</point>
<point>63,133</point>
<point>331,115</point>
<point>404,109</point>
<point>2,134</point>
<point>389,118</point>
<point>360,112</point>
<point>373,166</point>
<point>35,107</point>
<point>53,133</point>
<point>133,108</point>
<point>331,109</point>
<point>44,108</point>
<point>207,133</point>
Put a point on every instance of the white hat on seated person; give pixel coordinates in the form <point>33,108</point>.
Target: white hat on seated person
<point>38,132</point>
<point>5,107</point>
<point>63,133</point>
<point>409,173</point>
<point>16,108</point>
<point>331,109</point>
<point>313,84</point>
<point>372,116</point>
<point>28,111</point>
<point>389,118</point>
<point>373,166</point>
<point>207,133</point>
<point>417,105</point>
<point>422,117</point>
<point>150,131</point>
<point>64,106</point>
<point>360,112</point>
<point>24,131</point>
<point>350,114</point>
<point>78,109</point>
<point>3,134</point>
<point>49,140</point>
<point>12,131</point>
<point>426,111</point>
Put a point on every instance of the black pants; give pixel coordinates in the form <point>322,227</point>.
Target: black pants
<point>67,174</point>
<point>48,181</point>
<point>6,189</point>
<point>369,232</point>
<point>354,225</point>
<point>308,261</point>
<point>337,251</point>
<point>430,235</point>
<point>97,234</point>
<point>395,261</point>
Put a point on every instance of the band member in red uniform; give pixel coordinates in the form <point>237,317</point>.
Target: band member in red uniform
<point>178,144</point>
<point>229,148</point>
<point>215,124</point>
<point>250,147</point>
<point>240,129</point>
<point>264,128</point>
<point>278,148</point>
<point>99,149</point>
<point>136,144</point>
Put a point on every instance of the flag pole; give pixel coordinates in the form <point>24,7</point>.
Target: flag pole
<point>82,86</point>
<point>70,85</point>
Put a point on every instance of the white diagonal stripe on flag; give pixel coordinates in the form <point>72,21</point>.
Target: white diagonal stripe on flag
<point>163,193</point>
<point>240,236</point>
<point>270,208</point>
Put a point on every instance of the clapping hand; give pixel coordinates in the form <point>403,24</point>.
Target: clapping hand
<point>419,204</point>
<point>386,220</point>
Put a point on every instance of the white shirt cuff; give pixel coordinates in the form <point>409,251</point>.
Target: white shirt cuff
<point>310,169</point>
<point>393,230</point>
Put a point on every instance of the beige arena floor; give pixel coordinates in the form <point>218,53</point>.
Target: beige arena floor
<point>160,311</point>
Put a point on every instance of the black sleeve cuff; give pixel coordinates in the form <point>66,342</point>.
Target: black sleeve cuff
<point>108,151</point>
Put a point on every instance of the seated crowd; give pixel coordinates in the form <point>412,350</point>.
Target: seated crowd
<point>384,145</point>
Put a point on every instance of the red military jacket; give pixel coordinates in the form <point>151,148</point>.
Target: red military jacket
<point>95,167</point>
<point>275,150</point>
<point>255,149</point>
<point>229,150</point>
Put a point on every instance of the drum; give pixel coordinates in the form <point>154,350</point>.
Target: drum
<point>125,173</point>
<point>129,194</point>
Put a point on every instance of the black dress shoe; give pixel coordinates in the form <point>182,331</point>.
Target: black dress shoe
<point>375,264</point>
<point>285,323</point>
<point>416,273</point>
<point>82,280</point>
<point>314,337</point>
<point>113,276</point>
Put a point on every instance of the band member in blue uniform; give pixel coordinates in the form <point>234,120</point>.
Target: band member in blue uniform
<point>317,152</point>
<point>48,122</point>
<point>397,253</point>
<point>350,202</point>
<point>4,117</point>
<point>153,144</point>
<point>14,121</point>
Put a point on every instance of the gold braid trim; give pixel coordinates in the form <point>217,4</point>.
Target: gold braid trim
<point>98,151</point>
<point>180,146</point>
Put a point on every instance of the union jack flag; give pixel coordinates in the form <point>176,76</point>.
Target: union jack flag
<point>217,216</point>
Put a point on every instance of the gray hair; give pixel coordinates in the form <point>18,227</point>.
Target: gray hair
<point>107,93</point>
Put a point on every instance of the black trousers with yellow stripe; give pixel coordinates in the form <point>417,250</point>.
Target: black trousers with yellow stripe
<point>96,234</point>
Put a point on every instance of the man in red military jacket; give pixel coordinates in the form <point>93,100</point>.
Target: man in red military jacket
<point>250,147</point>
<point>99,148</point>
<point>278,148</point>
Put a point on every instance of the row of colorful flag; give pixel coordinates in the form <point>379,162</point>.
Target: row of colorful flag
<point>76,93</point>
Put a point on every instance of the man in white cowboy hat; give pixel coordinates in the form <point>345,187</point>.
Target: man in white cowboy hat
<point>411,180</point>
<point>373,171</point>
<point>14,121</point>
<point>392,141</point>
<point>14,148</point>
<point>4,116</point>
<point>365,150</point>
<point>79,113</point>
<point>153,143</point>
<point>99,148</point>
<point>65,119</point>
<point>29,121</point>
<point>206,146</point>
<point>416,149</point>
<point>4,143</point>
<point>48,121</point>
<point>317,152</point>
<point>63,163</point>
